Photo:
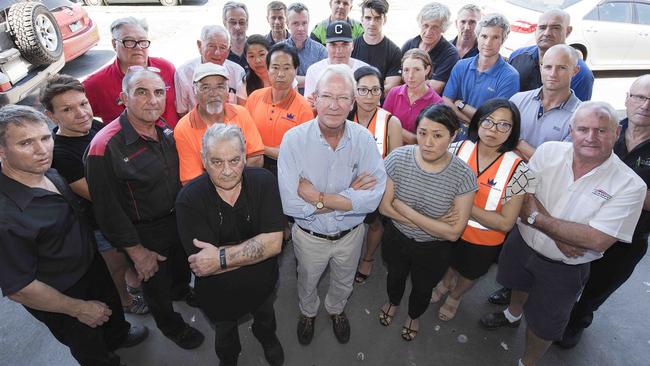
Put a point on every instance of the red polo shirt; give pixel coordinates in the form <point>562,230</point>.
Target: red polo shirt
<point>104,86</point>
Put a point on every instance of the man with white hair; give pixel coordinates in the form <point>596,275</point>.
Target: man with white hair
<point>131,44</point>
<point>475,80</point>
<point>213,46</point>
<point>339,51</point>
<point>330,176</point>
<point>553,27</point>
<point>433,20</point>
<point>618,262</point>
<point>586,200</point>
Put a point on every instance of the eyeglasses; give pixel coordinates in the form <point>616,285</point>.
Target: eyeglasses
<point>205,89</point>
<point>639,98</point>
<point>340,100</point>
<point>131,43</point>
<point>140,68</point>
<point>364,91</point>
<point>501,126</point>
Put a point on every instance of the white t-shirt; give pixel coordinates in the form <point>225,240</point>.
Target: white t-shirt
<point>609,198</point>
<point>314,71</point>
<point>185,97</point>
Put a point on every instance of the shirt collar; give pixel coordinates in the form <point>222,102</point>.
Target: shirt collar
<point>347,135</point>
<point>198,123</point>
<point>571,103</point>
<point>492,70</point>
<point>21,194</point>
<point>284,103</point>
<point>130,134</point>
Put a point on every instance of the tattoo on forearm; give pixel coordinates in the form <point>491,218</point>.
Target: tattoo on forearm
<point>253,249</point>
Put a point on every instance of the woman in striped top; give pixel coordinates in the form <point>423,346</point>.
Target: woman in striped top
<point>428,198</point>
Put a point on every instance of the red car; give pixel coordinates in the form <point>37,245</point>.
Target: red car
<point>79,32</point>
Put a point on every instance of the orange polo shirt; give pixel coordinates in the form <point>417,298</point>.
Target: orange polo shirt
<point>189,134</point>
<point>274,120</point>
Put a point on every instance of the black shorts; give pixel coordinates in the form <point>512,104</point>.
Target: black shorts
<point>371,217</point>
<point>553,287</point>
<point>473,261</point>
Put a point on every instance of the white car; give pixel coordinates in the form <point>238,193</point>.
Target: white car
<point>611,34</point>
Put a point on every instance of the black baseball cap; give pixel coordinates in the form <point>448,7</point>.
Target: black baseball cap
<point>339,31</point>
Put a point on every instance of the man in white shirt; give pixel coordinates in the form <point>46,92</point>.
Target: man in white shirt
<point>213,46</point>
<point>339,51</point>
<point>585,201</point>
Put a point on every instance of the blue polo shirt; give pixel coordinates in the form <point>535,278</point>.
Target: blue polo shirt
<point>526,61</point>
<point>474,87</point>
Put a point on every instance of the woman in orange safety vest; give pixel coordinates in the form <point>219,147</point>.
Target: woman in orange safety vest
<point>387,130</point>
<point>503,179</point>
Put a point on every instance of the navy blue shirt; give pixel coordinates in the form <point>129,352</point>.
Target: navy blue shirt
<point>526,61</point>
<point>443,57</point>
<point>471,53</point>
<point>474,87</point>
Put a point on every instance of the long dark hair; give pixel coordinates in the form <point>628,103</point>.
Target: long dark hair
<point>254,82</point>
<point>360,73</point>
<point>442,114</point>
<point>487,109</point>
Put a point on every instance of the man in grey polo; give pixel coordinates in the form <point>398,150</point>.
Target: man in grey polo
<point>309,51</point>
<point>546,111</point>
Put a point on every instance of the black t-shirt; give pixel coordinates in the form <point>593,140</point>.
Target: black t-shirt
<point>69,153</point>
<point>202,214</point>
<point>471,53</point>
<point>385,55</point>
<point>639,161</point>
<point>443,57</point>
<point>43,236</point>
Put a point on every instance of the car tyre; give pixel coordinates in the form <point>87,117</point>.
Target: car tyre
<point>169,2</point>
<point>35,32</point>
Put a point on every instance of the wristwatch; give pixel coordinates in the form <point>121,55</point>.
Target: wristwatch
<point>532,217</point>
<point>460,104</point>
<point>320,204</point>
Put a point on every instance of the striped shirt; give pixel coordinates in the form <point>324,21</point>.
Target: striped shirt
<point>430,194</point>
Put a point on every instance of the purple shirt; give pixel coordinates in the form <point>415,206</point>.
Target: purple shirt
<point>397,102</point>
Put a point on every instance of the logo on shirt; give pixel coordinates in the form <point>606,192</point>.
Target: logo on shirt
<point>602,194</point>
<point>557,128</point>
<point>644,162</point>
<point>491,89</point>
<point>290,116</point>
<point>491,182</point>
<point>168,131</point>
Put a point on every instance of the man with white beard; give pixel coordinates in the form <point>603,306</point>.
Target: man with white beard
<point>211,88</point>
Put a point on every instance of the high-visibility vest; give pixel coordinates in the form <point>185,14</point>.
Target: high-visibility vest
<point>492,183</point>
<point>378,130</point>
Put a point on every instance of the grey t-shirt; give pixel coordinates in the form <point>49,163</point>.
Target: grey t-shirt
<point>431,194</point>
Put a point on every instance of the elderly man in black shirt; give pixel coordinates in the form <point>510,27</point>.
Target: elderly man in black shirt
<point>230,221</point>
<point>48,261</point>
<point>132,175</point>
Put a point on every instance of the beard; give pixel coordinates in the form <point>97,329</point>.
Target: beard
<point>214,107</point>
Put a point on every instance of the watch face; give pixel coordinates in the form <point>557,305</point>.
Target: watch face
<point>319,205</point>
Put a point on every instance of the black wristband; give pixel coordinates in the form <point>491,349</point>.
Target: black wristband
<point>222,258</point>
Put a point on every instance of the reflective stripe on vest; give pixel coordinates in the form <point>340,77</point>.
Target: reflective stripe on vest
<point>381,121</point>
<point>496,177</point>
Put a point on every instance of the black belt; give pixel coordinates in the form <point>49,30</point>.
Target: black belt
<point>547,259</point>
<point>328,237</point>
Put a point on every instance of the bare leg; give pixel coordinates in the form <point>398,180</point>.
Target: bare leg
<point>118,266</point>
<point>373,238</point>
<point>535,348</point>
<point>450,278</point>
<point>462,286</point>
<point>517,301</point>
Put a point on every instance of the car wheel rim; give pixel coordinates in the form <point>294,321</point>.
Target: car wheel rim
<point>46,32</point>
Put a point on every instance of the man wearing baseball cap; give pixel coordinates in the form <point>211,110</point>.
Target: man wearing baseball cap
<point>211,88</point>
<point>339,51</point>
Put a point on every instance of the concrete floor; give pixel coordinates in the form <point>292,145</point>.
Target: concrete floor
<point>620,334</point>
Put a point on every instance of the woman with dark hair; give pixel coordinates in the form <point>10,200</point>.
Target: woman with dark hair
<point>428,198</point>
<point>406,101</point>
<point>503,179</point>
<point>387,131</point>
<point>257,76</point>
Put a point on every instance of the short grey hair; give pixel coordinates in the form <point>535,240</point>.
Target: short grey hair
<point>341,70</point>
<point>220,132</point>
<point>119,23</point>
<point>18,115</point>
<point>600,108</point>
<point>435,11</point>
<point>566,17</point>
<point>470,8</point>
<point>494,20</point>
<point>230,5</point>
<point>297,7</point>
<point>136,74</point>
<point>210,30</point>
<point>573,54</point>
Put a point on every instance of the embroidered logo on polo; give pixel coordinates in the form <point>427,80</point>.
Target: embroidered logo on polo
<point>290,116</point>
<point>602,194</point>
<point>644,162</point>
<point>168,131</point>
<point>492,182</point>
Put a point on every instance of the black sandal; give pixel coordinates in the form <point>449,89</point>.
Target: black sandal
<point>384,317</point>
<point>408,333</point>
<point>361,277</point>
